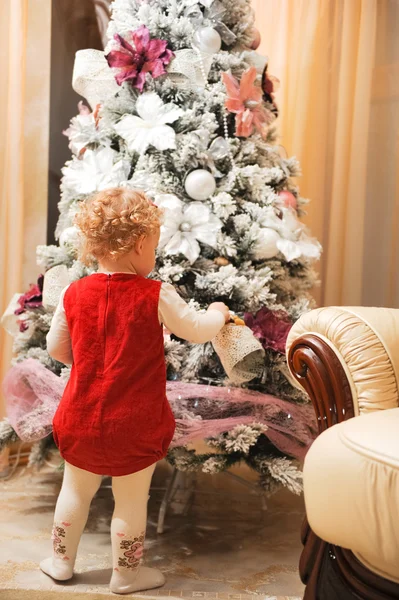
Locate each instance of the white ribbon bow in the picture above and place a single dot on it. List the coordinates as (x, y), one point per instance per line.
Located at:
(92, 78)
(55, 280)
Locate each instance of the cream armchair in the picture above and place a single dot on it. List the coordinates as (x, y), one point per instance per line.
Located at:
(347, 360)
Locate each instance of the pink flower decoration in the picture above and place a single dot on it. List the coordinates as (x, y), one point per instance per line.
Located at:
(22, 325)
(270, 327)
(135, 552)
(32, 298)
(245, 100)
(147, 56)
(55, 538)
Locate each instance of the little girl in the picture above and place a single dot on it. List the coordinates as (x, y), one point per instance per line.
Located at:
(114, 418)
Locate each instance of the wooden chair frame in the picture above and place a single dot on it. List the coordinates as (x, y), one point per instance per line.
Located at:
(330, 572)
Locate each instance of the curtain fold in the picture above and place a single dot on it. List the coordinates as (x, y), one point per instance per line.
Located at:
(343, 272)
(24, 113)
(13, 19)
(324, 53)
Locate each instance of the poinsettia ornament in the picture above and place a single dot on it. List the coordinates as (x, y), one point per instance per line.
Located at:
(32, 298)
(146, 56)
(270, 327)
(245, 100)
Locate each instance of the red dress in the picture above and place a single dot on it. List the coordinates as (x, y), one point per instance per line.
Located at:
(114, 417)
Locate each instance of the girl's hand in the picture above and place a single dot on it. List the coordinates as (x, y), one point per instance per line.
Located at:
(221, 307)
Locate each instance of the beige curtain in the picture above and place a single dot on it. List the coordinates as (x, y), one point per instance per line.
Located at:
(338, 63)
(25, 27)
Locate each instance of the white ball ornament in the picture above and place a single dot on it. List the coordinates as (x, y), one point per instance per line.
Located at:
(70, 235)
(207, 40)
(266, 244)
(200, 184)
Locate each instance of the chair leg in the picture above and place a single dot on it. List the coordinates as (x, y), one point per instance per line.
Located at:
(332, 573)
(311, 561)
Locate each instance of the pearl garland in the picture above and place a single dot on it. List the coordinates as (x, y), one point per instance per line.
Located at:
(201, 65)
(226, 136)
(225, 125)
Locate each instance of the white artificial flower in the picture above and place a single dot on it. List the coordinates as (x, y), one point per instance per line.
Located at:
(293, 241)
(150, 127)
(284, 233)
(186, 225)
(96, 170)
(305, 248)
(84, 129)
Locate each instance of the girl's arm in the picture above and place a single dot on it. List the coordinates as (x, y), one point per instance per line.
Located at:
(58, 339)
(184, 321)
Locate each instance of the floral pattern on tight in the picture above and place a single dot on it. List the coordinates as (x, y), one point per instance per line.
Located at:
(133, 552)
(56, 535)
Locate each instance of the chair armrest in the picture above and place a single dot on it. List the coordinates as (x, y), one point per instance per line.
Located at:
(347, 360)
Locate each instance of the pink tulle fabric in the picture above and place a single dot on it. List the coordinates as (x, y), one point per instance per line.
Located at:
(290, 427)
(33, 392)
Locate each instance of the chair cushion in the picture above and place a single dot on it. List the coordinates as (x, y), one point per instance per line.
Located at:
(365, 342)
(351, 483)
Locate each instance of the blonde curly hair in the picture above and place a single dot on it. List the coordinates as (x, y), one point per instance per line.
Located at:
(111, 222)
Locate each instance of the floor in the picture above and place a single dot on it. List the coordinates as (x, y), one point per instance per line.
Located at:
(221, 545)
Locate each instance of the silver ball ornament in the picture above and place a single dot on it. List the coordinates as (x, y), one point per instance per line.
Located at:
(200, 184)
(207, 40)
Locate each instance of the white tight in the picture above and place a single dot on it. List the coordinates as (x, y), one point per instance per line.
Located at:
(128, 523)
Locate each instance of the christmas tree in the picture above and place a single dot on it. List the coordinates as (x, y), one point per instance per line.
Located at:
(183, 107)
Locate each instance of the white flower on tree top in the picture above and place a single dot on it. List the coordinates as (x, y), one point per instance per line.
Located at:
(87, 128)
(185, 225)
(96, 170)
(150, 127)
